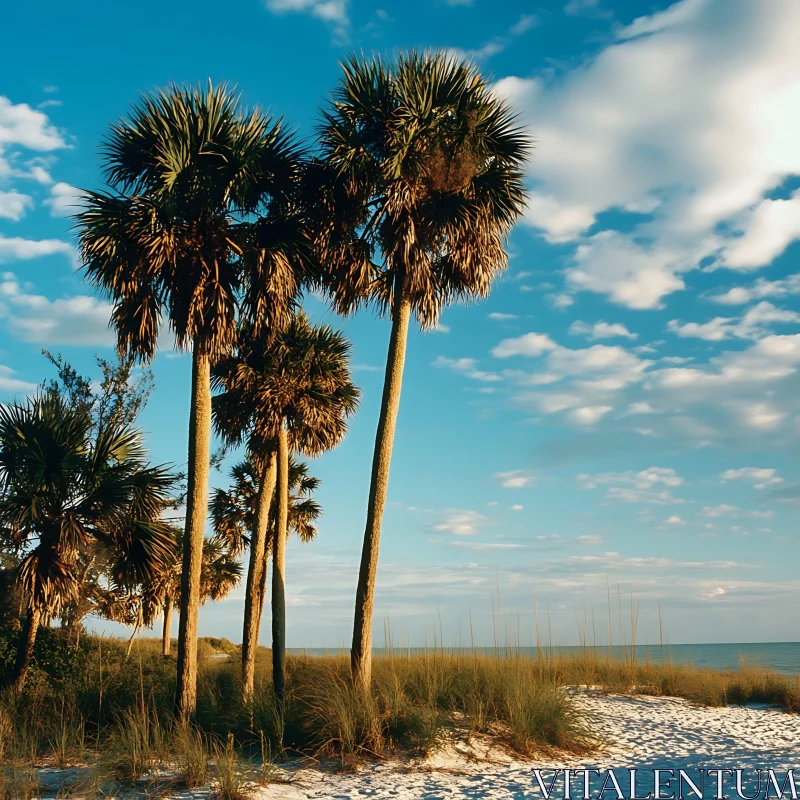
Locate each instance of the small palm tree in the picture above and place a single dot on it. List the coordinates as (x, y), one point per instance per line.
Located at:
(291, 394)
(140, 606)
(66, 488)
(199, 225)
(235, 513)
(421, 166)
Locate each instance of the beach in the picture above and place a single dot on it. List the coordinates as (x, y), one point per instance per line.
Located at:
(638, 732)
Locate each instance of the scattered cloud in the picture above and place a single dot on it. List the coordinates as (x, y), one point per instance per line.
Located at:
(601, 330)
(516, 508)
(734, 512)
(460, 522)
(498, 317)
(26, 127)
(760, 478)
(762, 288)
(497, 44)
(77, 320)
(8, 383)
(334, 13)
(64, 199)
(466, 366)
(530, 344)
(684, 124)
(768, 229)
(754, 324)
(675, 520)
(515, 479)
(15, 248)
(636, 487)
(13, 205)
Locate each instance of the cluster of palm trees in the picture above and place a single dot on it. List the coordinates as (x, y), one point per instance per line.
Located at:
(215, 221)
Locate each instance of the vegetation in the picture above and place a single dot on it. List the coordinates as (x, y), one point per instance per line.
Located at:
(96, 699)
(214, 221)
(422, 167)
(173, 237)
(65, 490)
(290, 393)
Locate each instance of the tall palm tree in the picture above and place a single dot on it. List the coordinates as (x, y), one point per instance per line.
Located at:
(65, 488)
(296, 391)
(198, 224)
(421, 166)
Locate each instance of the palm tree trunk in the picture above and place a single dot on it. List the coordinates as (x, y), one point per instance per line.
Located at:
(133, 635)
(278, 568)
(253, 594)
(196, 512)
(166, 640)
(263, 593)
(27, 639)
(361, 650)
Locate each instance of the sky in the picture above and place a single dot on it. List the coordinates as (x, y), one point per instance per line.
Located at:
(618, 424)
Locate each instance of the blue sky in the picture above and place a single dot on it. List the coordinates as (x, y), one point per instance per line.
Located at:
(623, 409)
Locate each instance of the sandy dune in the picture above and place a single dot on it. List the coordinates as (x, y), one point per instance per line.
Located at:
(640, 732)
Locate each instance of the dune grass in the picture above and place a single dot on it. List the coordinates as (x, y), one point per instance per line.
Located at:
(116, 713)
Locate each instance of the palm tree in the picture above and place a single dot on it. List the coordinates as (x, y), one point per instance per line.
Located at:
(234, 512)
(421, 165)
(66, 488)
(199, 224)
(294, 391)
(140, 606)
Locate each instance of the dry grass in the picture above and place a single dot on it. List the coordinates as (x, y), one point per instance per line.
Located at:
(120, 716)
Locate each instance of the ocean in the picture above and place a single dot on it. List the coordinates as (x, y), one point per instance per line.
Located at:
(778, 656)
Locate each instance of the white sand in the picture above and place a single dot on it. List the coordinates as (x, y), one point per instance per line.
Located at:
(640, 732)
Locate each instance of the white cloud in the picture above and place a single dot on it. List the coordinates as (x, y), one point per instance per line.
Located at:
(596, 376)
(8, 383)
(767, 360)
(15, 248)
(640, 408)
(467, 366)
(589, 8)
(78, 320)
(760, 416)
(768, 230)
(460, 522)
(636, 487)
(675, 520)
(530, 344)
(760, 477)
(601, 330)
(588, 415)
(560, 301)
(498, 317)
(733, 512)
(13, 205)
(515, 479)
(741, 295)
(753, 325)
(334, 13)
(631, 274)
(497, 44)
(516, 508)
(63, 199)
(24, 126)
(689, 119)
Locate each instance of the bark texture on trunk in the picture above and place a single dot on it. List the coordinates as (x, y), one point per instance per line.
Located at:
(166, 634)
(278, 568)
(196, 512)
(27, 639)
(264, 574)
(361, 651)
(255, 572)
